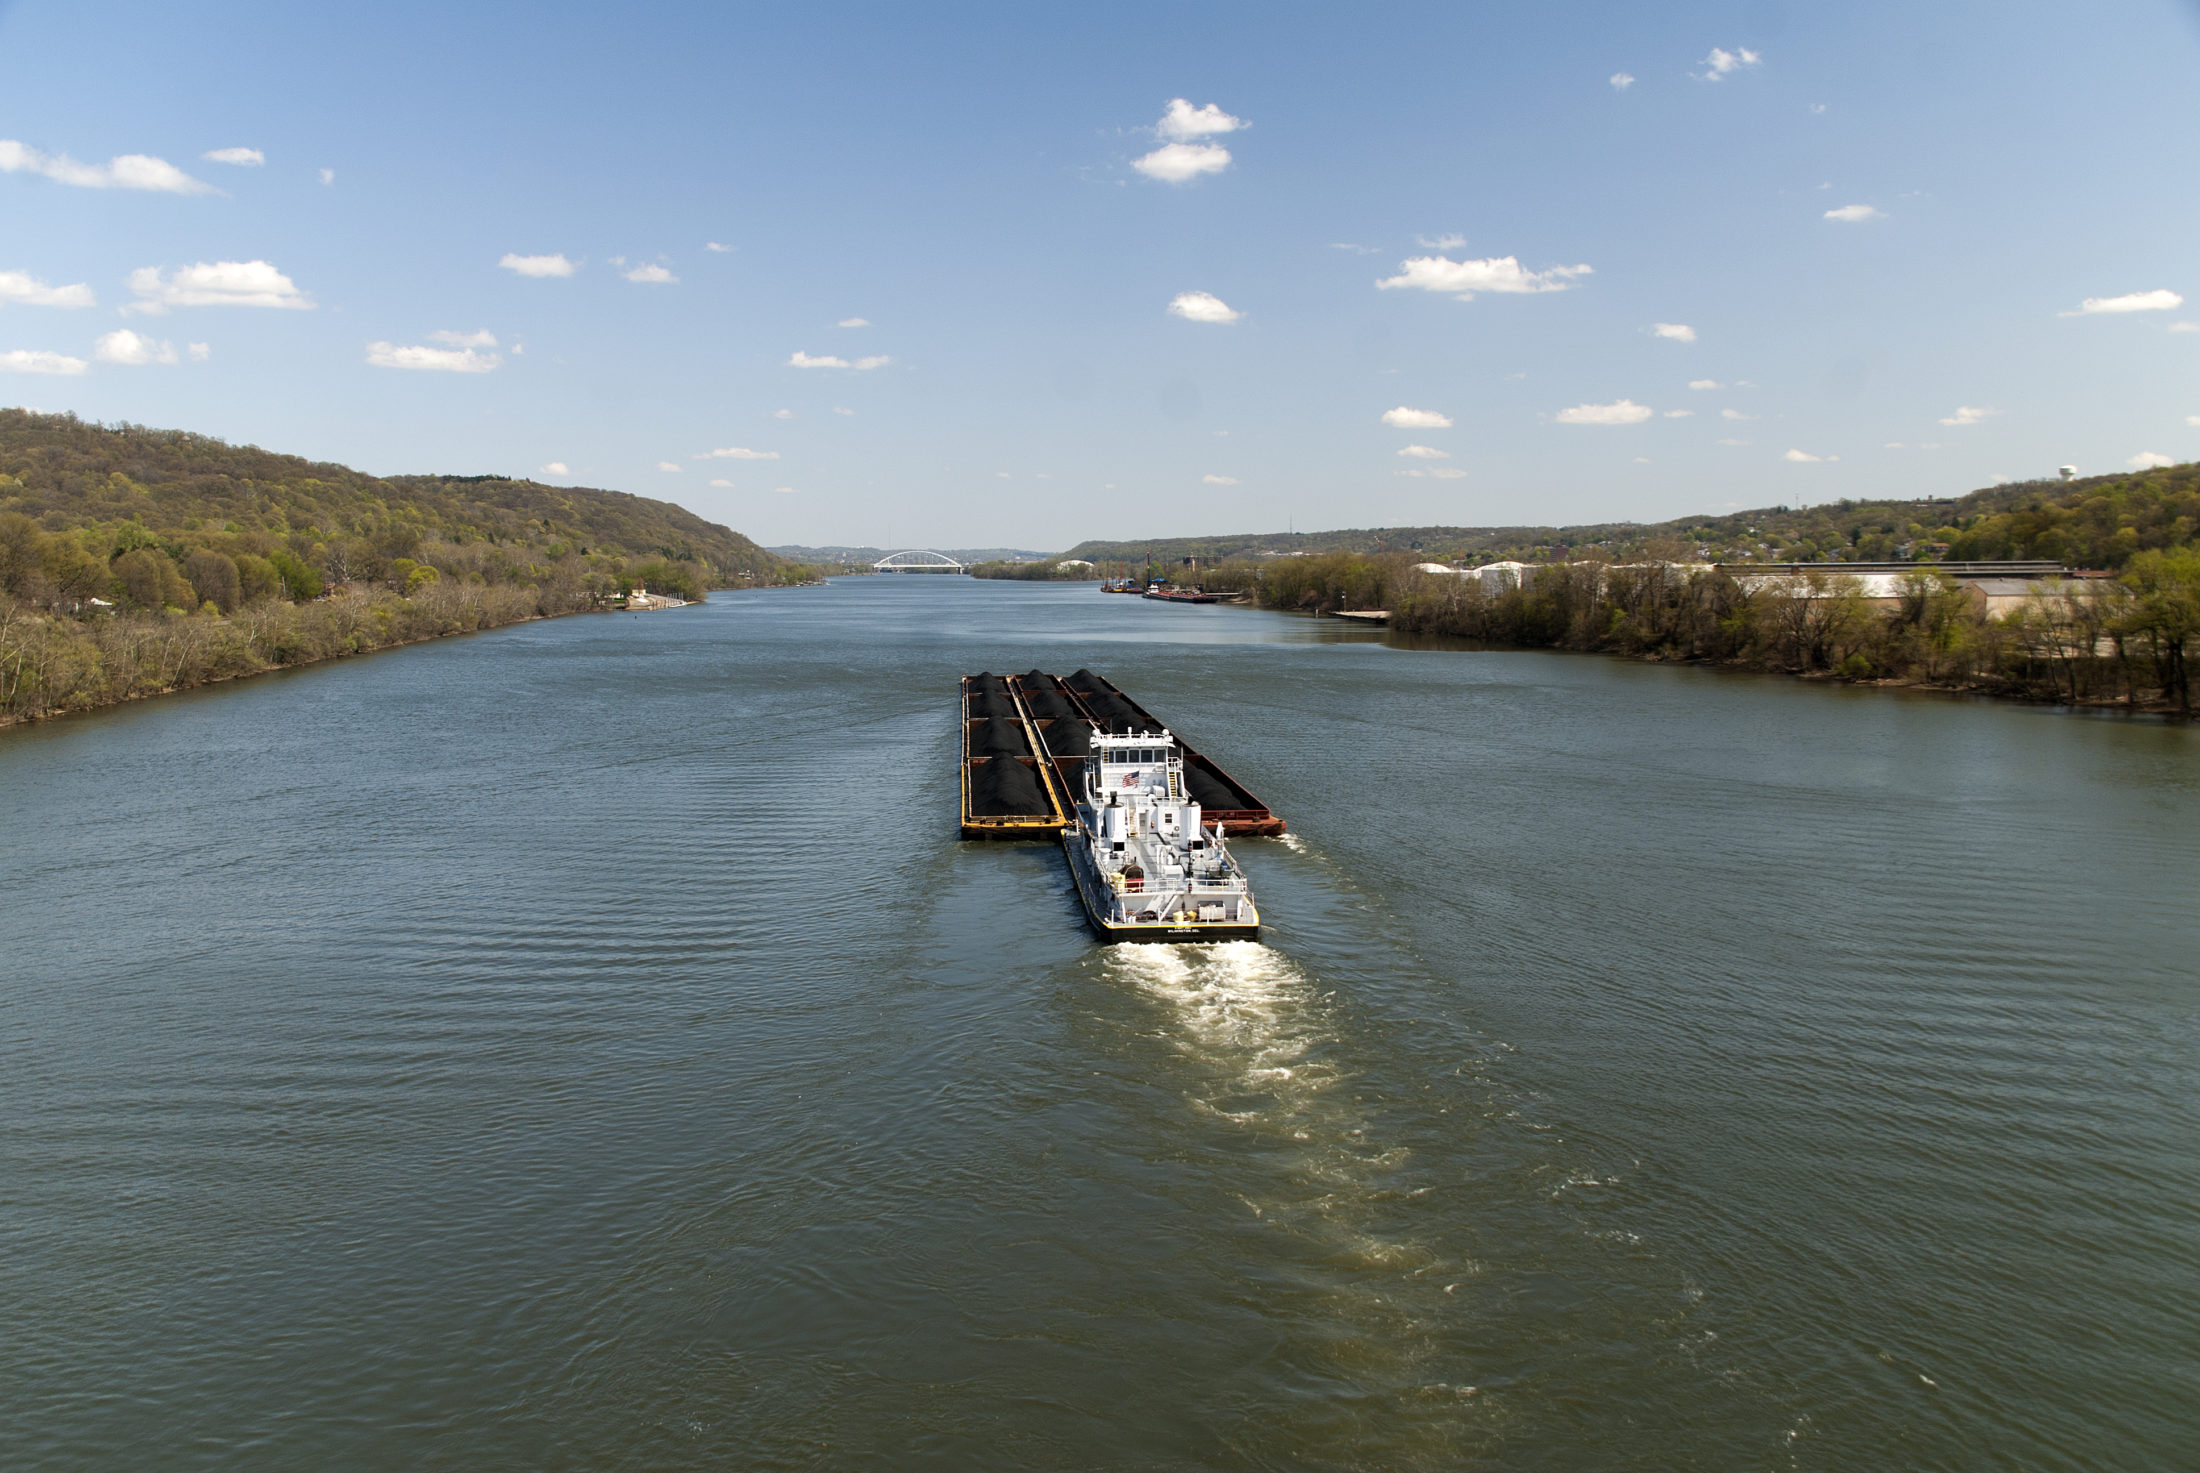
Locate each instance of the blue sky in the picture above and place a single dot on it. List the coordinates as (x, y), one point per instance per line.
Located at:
(1873, 231)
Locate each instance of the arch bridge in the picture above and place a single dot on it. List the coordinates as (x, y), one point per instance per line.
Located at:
(916, 562)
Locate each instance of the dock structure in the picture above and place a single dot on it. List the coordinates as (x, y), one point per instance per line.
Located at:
(1039, 727)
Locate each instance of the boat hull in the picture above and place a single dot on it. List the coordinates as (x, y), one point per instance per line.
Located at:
(1093, 896)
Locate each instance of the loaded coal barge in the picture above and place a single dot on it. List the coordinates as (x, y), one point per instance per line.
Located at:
(1141, 814)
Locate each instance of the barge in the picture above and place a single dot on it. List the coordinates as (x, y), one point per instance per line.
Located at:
(1009, 789)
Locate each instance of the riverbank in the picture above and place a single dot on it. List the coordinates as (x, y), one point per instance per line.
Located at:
(53, 665)
(2121, 642)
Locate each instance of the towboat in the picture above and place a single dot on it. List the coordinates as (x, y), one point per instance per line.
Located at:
(1173, 595)
(1146, 867)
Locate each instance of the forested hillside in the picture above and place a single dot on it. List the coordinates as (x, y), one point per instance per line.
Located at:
(189, 492)
(2096, 522)
(135, 560)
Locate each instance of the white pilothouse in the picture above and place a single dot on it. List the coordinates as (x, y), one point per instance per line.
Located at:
(1146, 867)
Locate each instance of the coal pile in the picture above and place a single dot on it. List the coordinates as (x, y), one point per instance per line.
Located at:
(1040, 680)
(1003, 787)
(1115, 713)
(996, 703)
(985, 684)
(998, 737)
(1209, 791)
(1068, 738)
(1049, 705)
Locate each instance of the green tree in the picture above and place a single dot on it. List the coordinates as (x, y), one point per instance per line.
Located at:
(2166, 615)
(214, 578)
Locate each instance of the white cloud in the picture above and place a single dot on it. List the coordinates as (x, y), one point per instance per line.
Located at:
(1817, 108)
(712, 245)
(1620, 81)
(1680, 414)
(800, 359)
(2147, 460)
(721, 481)
(1893, 445)
(783, 490)
(1003, 476)
(199, 352)
(853, 322)
(248, 158)
(1722, 61)
(1734, 414)
(1970, 414)
(1425, 452)
(1642, 460)
(1433, 472)
(782, 414)
(2154, 301)
(431, 360)
(737, 452)
(2193, 420)
(670, 465)
(481, 339)
(328, 177)
(1679, 332)
(37, 360)
(1178, 163)
(126, 347)
(1625, 412)
(124, 171)
(1182, 120)
(1463, 279)
(2184, 327)
(1853, 213)
(22, 287)
(1357, 250)
(1801, 457)
(1219, 480)
(842, 409)
(215, 284)
(1403, 418)
(651, 275)
(1450, 242)
(553, 468)
(1703, 383)
(556, 265)
(1202, 307)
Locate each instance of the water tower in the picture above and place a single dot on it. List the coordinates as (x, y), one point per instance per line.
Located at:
(2066, 471)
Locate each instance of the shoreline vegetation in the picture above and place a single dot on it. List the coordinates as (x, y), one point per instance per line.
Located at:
(2123, 636)
(137, 562)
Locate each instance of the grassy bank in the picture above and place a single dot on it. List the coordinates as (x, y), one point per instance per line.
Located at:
(51, 665)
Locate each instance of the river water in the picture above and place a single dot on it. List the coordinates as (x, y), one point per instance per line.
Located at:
(587, 1045)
